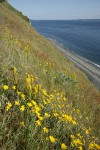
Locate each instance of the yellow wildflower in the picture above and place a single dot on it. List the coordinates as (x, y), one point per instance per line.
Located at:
(40, 117)
(37, 108)
(29, 104)
(77, 142)
(38, 122)
(55, 114)
(9, 105)
(86, 131)
(37, 113)
(5, 87)
(14, 87)
(33, 102)
(78, 134)
(67, 118)
(28, 81)
(73, 122)
(17, 103)
(15, 70)
(45, 130)
(80, 148)
(47, 115)
(94, 146)
(45, 93)
(52, 139)
(64, 99)
(18, 93)
(72, 136)
(22, 108)
(63, 146)
(22, 124)
(23, 96)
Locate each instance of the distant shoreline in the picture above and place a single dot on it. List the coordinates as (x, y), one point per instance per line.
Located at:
(92, 72)
(81, 36)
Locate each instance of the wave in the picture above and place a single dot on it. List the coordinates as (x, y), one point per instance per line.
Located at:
(88, 61)
(84, 59)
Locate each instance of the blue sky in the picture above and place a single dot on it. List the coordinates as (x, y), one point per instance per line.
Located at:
(58, 9)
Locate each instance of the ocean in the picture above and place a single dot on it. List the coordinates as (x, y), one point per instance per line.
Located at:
(81, 37)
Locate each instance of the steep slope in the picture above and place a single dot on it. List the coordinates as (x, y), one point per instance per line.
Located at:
(28, 48)
(27, 57)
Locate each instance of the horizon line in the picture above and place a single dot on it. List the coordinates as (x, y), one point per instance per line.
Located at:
(63, 19)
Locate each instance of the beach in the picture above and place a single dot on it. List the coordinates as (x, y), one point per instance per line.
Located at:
(92, 71)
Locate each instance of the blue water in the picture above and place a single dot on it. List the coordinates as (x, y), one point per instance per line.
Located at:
(79, 36)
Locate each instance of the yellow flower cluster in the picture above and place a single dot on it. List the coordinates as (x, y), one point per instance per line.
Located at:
(52, 139)
(77, 142)
(45, 130)
(94, 146)
(63, 146)
(50, 114)
(68, 118)
(9, 105)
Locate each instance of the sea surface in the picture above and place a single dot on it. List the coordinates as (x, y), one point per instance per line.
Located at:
(81, 37)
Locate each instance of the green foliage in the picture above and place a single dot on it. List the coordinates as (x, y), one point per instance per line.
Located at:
(61, 78)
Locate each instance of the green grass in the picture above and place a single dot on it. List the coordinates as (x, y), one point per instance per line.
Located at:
(46, 76)
(14, 10)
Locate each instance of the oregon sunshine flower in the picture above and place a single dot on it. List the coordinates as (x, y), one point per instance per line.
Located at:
(22, 123)
(5, 87)
(45, 130)
(17, 103)
(38, 122)
(9, 105)
(63, 146)
(52, 139)
(14, 87)
(22, 108)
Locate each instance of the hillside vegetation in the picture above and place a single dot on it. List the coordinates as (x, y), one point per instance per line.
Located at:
(45, 101)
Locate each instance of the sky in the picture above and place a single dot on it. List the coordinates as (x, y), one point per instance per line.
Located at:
(58, 9)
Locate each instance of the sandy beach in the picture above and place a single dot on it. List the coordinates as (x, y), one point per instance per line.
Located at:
(92, 71)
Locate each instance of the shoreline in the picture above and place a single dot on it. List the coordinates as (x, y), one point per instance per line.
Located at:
(92, 71)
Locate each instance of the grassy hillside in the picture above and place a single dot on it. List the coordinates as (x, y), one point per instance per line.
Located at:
(45, 101)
